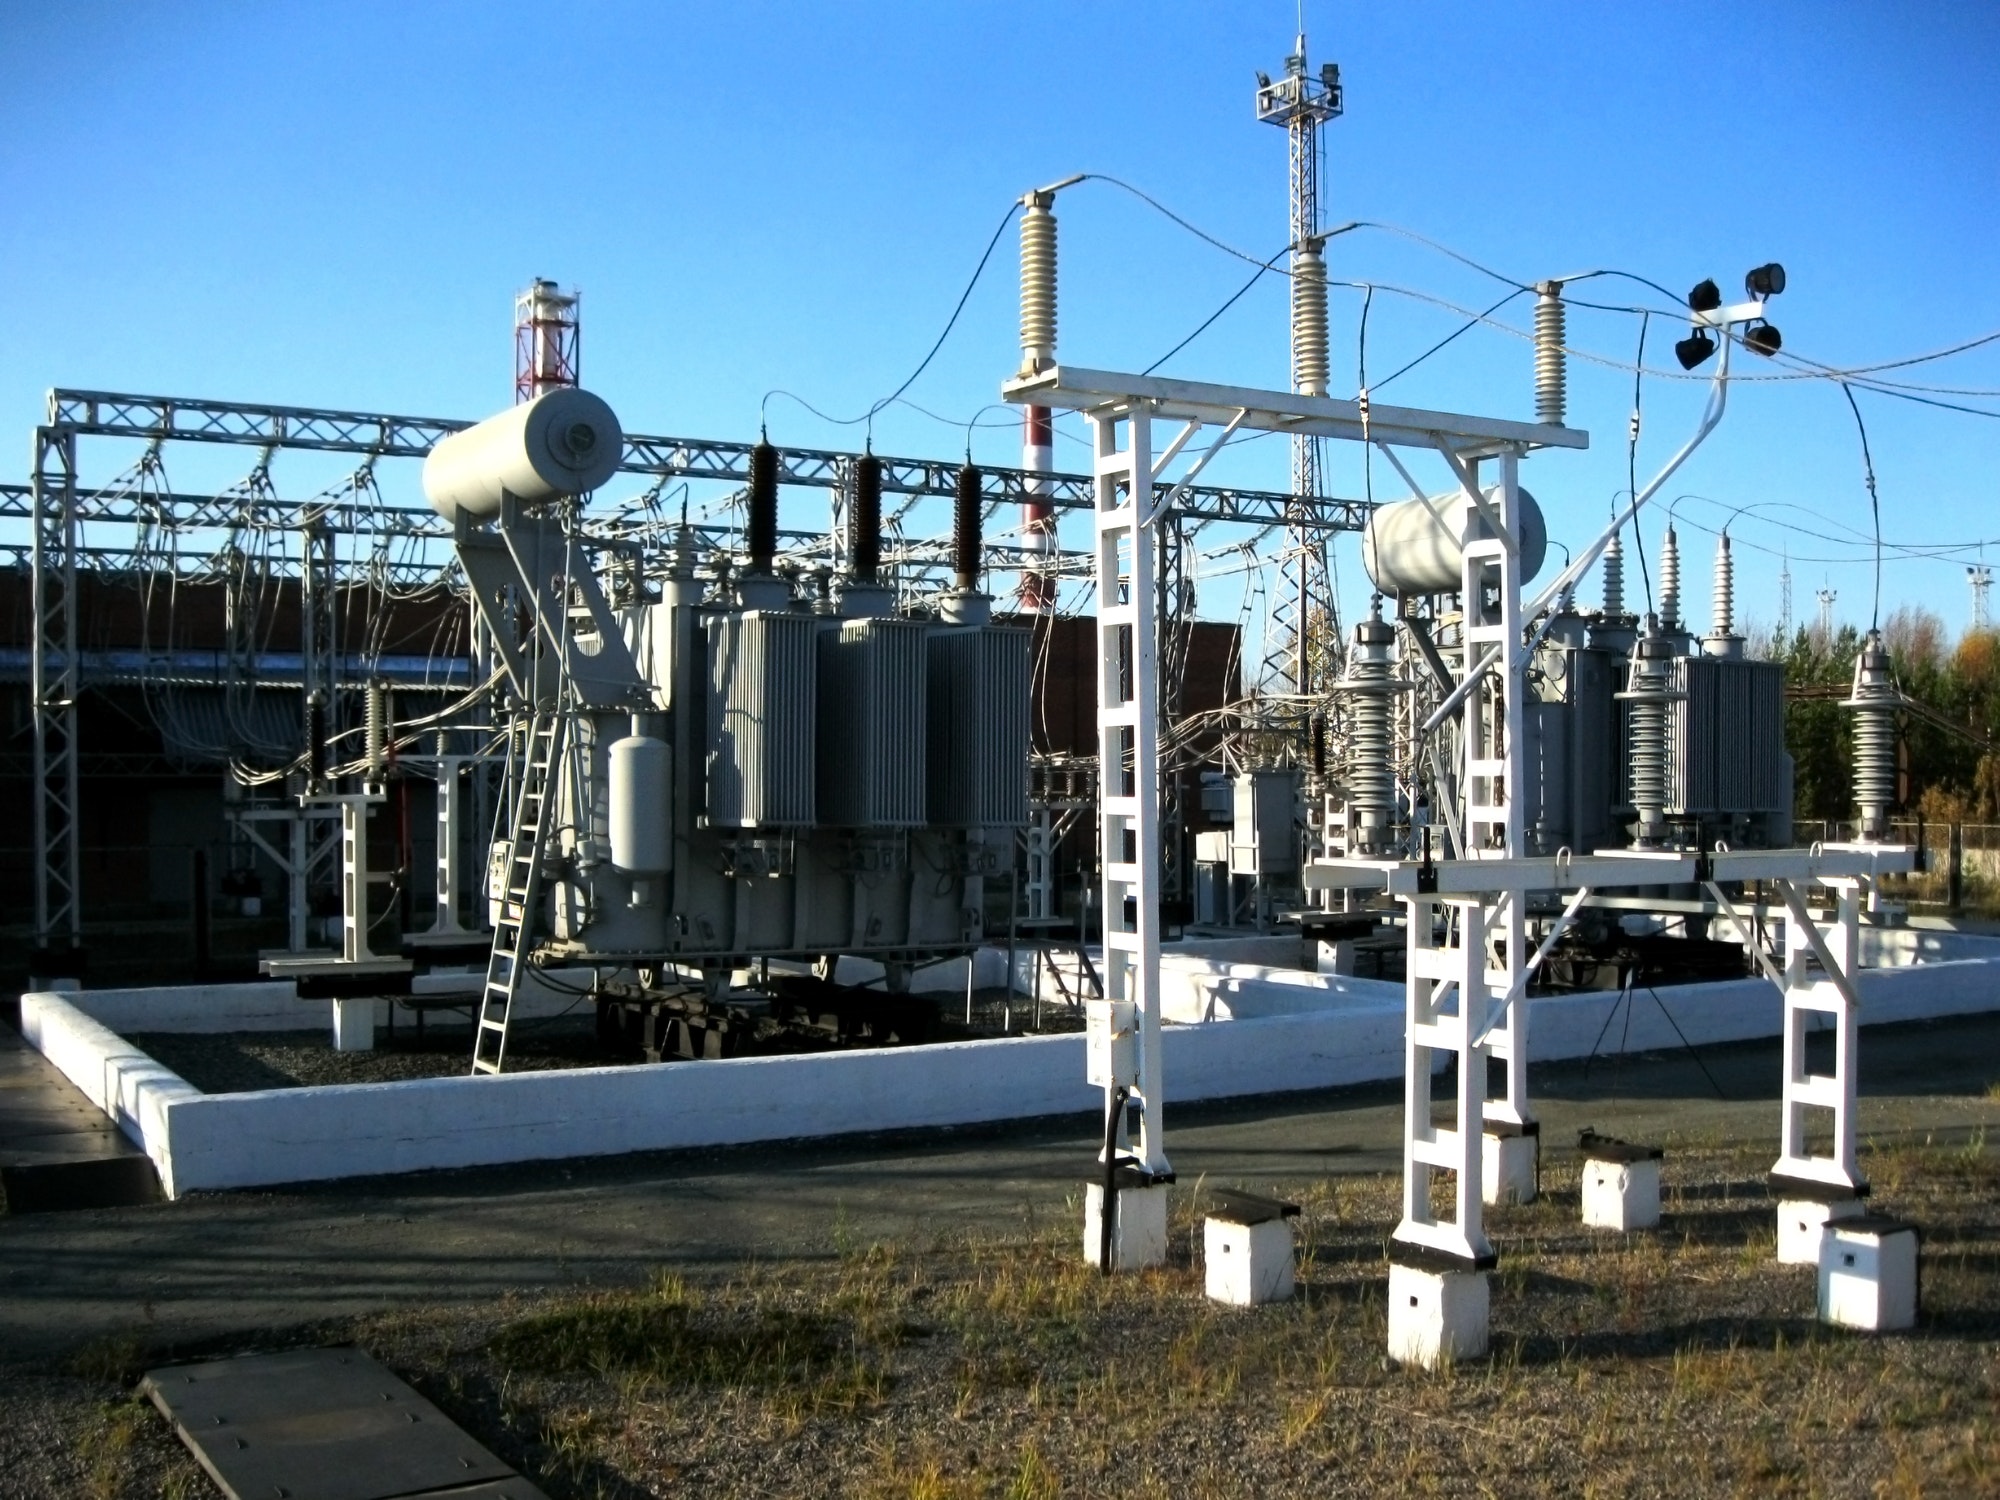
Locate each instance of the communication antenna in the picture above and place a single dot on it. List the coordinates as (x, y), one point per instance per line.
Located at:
(1301, 102)
(1826, 598)
(1785, 602)
(1980, 577)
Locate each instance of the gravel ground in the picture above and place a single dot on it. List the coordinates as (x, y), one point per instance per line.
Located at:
(1681, 1362)
(238, 1062)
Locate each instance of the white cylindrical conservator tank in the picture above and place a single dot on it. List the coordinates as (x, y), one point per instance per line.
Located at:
(636, 784)
(1418, 546)
(562, 443)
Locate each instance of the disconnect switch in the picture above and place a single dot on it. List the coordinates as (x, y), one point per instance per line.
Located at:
(1112, 1037)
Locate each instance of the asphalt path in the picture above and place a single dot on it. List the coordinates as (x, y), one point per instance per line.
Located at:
(223, 1265)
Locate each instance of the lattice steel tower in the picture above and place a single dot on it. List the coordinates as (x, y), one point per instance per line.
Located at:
(1301, 103)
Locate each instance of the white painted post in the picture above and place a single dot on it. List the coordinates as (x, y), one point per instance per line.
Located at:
(1128, 750)
(354, 880)
(1810, 996)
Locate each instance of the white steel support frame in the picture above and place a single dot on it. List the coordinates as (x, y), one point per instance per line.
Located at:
(1128, 757)
(451, 798)
(1492, 721)
(1815, 991)
(302, 855)
(355, 876)
(1450, 984)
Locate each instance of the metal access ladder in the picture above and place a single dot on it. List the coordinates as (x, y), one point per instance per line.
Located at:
(514, 931)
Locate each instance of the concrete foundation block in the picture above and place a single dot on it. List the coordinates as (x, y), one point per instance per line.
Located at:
(1509, 1166)
(1437, 1315)
(1868, 1273)
(354, 1025)
(1246, 1249)
(1621, 1195)
(1803, 1221)
(1138, 1233)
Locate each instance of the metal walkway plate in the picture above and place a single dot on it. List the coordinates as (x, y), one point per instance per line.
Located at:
(57, 1149)
(323, 1424)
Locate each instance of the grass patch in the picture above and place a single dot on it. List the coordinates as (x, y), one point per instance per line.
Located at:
(661, 1334)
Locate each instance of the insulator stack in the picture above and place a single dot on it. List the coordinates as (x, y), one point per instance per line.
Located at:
(1370, 687)
(761, 528)
(1614, 577)
(1874, 701)
(1725, 589)
(1038, 282)
(1670, 582)
(1309, 339)
(1651, 692)
(376, 728)
(1551, 362)
(864, 521)
(966, 544)
(315, 740)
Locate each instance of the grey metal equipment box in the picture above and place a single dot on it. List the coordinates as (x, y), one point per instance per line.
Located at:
(761, 719)
(872, 724)
(978, 712)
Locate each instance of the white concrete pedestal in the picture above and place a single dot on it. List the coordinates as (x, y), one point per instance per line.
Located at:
(1435, 1316)
(354, 1025)
(1246, 1249)
(1138, 1233)
(1868, 1273)
(1509, 1165)
(1803, 1221)
(1621, 1195)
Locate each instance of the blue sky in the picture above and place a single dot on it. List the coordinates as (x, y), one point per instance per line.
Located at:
(334, 204)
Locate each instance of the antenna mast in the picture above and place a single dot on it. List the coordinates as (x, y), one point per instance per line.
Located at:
(1301, 103)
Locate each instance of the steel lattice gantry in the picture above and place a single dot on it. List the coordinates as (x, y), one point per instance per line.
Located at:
(56, 501)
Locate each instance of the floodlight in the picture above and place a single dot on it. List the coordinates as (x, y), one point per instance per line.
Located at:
(1696, 347)
(1765, 281)
(1263, 80)
(1762, 338)
(1706, 297)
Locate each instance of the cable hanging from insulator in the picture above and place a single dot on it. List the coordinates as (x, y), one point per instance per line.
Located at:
(1614, 577)
(1551, 358)
(1874, 701)
(1310, 359)
(1038, 282)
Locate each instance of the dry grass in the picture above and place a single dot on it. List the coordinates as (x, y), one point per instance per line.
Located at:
(1675, 1363)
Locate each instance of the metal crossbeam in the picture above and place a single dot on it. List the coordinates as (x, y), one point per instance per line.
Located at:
(185, 419)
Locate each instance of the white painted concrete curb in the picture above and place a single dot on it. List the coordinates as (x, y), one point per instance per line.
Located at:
(293, 1135)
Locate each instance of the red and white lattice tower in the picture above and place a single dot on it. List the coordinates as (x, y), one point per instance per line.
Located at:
(547, 340)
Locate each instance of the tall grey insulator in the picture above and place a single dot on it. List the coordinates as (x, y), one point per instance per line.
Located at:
(1309, 338)
(1648, 698)
(1874, 701)
(1370, 688)
(1725, 589)
(1670, 582)
(376, 728)
(1038, 282)
(1614, 577)
(1551, 363)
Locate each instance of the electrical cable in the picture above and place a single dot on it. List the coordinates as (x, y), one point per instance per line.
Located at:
(1465, 327)
(950, 323)
(1874, 502)
(1632, 461)
(1208, 322)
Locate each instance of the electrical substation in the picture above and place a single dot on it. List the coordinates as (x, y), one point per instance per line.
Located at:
(541, 713)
